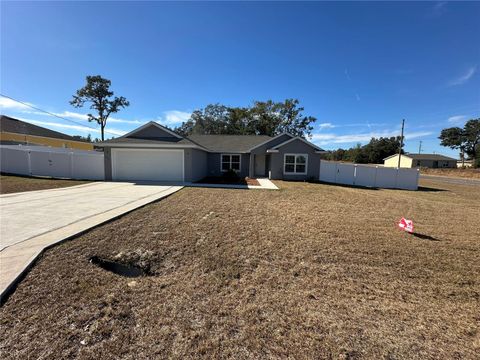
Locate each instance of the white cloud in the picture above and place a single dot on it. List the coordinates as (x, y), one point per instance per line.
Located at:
(326, 126)
(456, 118)
(81, 128)
(9, 104)
(174, 117)
(464, 78)
(75, 115)
(439, 8)
(324, 139)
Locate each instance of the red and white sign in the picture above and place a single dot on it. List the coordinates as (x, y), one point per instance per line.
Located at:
(406, 225)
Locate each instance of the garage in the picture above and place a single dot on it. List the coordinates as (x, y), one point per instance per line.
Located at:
(147, 165)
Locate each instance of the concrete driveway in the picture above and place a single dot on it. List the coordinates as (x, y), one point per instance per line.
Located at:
(32, 221)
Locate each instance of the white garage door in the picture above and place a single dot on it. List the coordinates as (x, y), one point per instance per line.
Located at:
(147, 164)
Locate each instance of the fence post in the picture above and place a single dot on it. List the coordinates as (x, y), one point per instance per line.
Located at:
(29, 163)
(354, 174)
(70, 154)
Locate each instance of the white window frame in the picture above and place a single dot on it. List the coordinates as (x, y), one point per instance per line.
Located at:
(295, 164)
(239, 163)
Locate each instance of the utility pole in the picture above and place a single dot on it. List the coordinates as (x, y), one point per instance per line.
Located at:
(420, 147)
(401, 145)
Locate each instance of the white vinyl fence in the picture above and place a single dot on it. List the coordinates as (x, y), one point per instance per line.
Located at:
(54, 162)
(368, 175)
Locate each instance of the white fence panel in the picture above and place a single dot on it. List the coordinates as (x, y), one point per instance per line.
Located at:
(369, 176)
(60, 165)
(54, 162)
(365, 176)
(386, 178)
(328, 171)
(14, 161)
(408, 179)
(345, 174)
(39, 163)
(87, 166)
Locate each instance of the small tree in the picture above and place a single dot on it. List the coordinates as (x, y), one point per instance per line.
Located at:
(97, 92)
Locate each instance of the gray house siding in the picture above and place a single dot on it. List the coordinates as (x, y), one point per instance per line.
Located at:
(152, 132)
(295, 147)
(434, 163)
(107, 160)
(260, 151)
(195, 164)
(214, 164)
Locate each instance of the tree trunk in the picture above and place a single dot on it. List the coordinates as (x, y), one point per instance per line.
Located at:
(102, 127)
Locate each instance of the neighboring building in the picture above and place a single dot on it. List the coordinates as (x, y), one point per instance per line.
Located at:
(17, 132)
(153, 152)
(466, 163)
(421, 160)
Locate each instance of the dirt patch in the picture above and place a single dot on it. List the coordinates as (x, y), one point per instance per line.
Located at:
(308, 271)
(12, 184)
(118, 268)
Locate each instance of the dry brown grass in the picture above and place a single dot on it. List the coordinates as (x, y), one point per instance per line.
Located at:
(459, 172)
(12, 184)
(309, 271)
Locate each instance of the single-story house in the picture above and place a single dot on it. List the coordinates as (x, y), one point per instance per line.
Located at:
(18, 132)
(154, 153)
(421, 160)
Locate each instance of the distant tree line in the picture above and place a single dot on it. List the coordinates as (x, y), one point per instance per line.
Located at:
(261, 118)
(372, 153)
(87, 138)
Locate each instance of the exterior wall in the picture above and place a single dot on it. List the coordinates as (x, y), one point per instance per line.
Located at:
(435, 163)
(107, 160)
(405, 162)
(262, 150)
(45, 141)
(195, 164)
(295, 147)
(214, 164)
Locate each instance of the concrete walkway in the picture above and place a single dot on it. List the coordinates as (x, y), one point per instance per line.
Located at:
(33, 221)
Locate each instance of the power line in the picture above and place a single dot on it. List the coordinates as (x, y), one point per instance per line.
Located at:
(52, 114)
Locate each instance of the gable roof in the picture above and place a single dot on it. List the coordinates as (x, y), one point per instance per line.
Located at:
(229, 143)
(11, 125)
(137, 137)
(434, 157)
(153, 124)
(297, 138)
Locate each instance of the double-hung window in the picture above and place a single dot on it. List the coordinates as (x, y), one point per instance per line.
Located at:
(295, 164)
(230, 162)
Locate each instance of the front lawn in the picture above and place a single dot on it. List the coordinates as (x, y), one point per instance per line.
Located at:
(12, 184)
(309, 271)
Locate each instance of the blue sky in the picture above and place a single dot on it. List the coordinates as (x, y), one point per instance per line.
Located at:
(359, 68)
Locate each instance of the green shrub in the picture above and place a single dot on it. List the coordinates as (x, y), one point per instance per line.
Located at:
(230, 175)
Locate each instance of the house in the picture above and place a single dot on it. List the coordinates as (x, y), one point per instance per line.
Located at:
(465, 163)
(421, 160)
(155, 153)
(18, 132)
